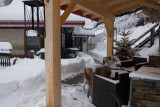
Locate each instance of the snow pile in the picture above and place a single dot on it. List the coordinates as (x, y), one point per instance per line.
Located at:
(149, 73)
(22, 70)
(24, 83)
(42, 50)
(5, 47)
(82, 31)
(126, 22)
(145, 52)
(31, 33)
(101, 43)
(71, 67)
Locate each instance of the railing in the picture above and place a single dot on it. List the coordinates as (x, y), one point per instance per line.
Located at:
(5, 59)
(151, 38)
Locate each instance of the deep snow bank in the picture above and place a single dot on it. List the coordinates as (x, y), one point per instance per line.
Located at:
(23, 84)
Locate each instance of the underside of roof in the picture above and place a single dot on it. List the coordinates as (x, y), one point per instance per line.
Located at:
(99, 9)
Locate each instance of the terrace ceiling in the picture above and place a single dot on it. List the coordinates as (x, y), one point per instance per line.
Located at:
(99, 9)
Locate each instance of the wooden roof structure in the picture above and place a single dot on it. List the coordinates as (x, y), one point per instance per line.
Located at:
(98, 10)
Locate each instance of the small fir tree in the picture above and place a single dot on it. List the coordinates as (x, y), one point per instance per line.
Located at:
(123, 48)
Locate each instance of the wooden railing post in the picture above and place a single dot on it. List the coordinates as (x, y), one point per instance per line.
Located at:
(152, 37)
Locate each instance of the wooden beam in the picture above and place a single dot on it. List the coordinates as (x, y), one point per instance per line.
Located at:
(63, 2)
(67, 12)
(92, 8)
(110, 3)
(109, 24)
(76, 8)
(53, 54)
(93, 16)
(123, 6)
(144, 3)
(127, 10)
(85, 13)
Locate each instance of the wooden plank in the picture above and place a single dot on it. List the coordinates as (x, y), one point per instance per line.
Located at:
(85, 13)
(123, 6)
(63, 2)
(67, 12)
(109, 24)
(53, 54)
(111, 2)
(127, 10)
(148, 4)
(76, 8)
(92, 8)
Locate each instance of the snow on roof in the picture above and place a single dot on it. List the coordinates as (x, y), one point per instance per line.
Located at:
(83, 32)
(5, 45)
(31, 33)
(146, 73)
(15, 11)
(42, 50)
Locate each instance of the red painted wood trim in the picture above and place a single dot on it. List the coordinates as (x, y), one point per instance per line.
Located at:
(22, 23)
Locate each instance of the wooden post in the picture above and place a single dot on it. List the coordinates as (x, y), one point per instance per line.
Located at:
(109, 24)
(53, 54)
(87, 44)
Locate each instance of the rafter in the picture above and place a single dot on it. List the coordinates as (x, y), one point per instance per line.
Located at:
(110, 3)
(148, 4)
(76, 8)
(92, 8)
(85, 13)
(67, 12)
(123, 6)
(63, 2)
(127, 10)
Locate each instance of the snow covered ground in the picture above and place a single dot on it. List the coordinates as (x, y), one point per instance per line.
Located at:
(24, 83)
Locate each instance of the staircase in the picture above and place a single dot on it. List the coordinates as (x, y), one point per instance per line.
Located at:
(149, 41)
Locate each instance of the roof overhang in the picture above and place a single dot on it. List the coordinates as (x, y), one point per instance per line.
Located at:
(107, 9)
(33, 3)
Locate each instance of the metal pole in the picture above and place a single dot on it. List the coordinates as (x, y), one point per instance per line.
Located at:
(151, 39)
(159, 37)
(25, 36)
(32, 18)
(38, 21)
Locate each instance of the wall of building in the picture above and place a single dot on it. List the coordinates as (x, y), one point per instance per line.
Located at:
(145, 94)
(15, 37)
